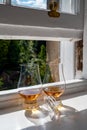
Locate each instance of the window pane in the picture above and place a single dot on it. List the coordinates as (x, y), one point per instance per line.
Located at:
(65, 4)
(40, 52)
(69, 6)
(2, 1)
(38, 4)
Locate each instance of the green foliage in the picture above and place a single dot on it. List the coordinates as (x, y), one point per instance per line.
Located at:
(16, 52)
(13, 53)
(26, 51)
(37, 46)
(1, 83)
(42, 53)
(4, 44)
(42, 60)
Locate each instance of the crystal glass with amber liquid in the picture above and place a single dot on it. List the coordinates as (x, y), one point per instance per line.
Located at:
(55, 92)
(54, 86)
(53, 75)
(30, 97)
(29, 81)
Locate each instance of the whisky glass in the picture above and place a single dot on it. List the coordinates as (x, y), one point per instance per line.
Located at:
(28, 85)
(53, 75)
(54, 84)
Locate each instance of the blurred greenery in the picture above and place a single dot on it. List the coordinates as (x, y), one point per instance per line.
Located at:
(1, 83)
(16, 52)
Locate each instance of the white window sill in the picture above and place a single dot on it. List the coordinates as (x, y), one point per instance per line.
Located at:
(10, 97)
(15, 119)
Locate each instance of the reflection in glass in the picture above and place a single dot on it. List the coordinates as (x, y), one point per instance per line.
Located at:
(36, 4)
(73, 6)
(29, 75)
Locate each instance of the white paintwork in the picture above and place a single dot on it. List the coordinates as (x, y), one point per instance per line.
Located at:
(38, 33)
(67, 58)
(37, 24)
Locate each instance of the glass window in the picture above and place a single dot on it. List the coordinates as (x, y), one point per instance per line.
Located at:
(29, 51)
(65, 6)
(38, 4)
(2, 1)
(70, 6)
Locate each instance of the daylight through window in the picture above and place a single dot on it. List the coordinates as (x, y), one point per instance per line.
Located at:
(14, 53)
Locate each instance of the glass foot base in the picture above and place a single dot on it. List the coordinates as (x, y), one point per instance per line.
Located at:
(36, 113)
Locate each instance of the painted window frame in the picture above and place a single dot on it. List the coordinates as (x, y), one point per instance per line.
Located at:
(9, 98)
(70, 58)
(73, 10)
